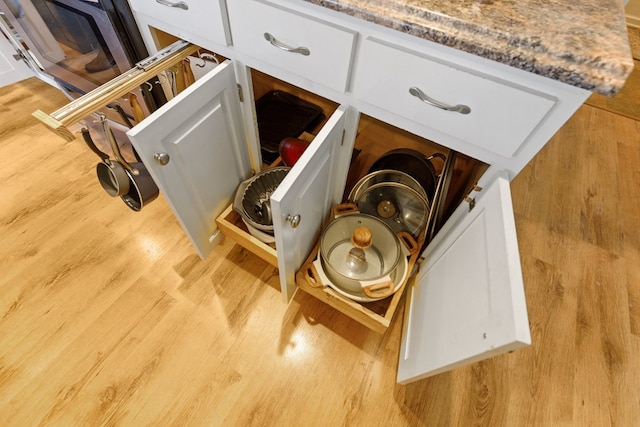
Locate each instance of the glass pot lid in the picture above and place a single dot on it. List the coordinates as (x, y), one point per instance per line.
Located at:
(359, 247)
(384, 176)
(399, 206)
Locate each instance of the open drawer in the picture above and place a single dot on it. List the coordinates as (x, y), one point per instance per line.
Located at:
(376, 315)
(231, 225)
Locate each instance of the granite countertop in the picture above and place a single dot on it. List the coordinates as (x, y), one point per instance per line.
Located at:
(583, 43)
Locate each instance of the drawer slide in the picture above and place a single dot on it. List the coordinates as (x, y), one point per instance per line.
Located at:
(59, 120)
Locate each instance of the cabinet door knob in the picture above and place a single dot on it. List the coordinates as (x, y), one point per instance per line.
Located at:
(462, 109)
(180, 5)
(275, 42)
(294, 220)
(161, 158)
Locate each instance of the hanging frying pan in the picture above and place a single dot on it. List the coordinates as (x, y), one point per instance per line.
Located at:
(112, 176)
(142, 189)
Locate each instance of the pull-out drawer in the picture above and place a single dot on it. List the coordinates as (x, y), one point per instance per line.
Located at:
(303, 45)
(185, 18)
(495, 115)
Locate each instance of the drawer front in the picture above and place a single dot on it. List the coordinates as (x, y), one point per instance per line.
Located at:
(303, 45)
(204, 18)
(500, 115)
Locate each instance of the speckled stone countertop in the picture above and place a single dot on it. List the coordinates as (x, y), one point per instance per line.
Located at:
(583, 43)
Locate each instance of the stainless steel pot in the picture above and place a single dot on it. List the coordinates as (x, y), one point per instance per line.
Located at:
(360, 253)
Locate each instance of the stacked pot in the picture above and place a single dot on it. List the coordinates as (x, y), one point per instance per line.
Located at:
(363, 251)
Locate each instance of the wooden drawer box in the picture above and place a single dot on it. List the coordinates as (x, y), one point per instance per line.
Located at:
(375, 315)
(232, 226)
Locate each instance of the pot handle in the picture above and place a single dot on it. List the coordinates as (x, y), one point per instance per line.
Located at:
(86, 135)
(311, 275)
(438, 155)
(408, 241)
(345, 208)
(114, 146)
(379, 290)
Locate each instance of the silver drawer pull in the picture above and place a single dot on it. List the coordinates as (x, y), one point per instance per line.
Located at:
(180, 5)
(462, 109)
(301, 50)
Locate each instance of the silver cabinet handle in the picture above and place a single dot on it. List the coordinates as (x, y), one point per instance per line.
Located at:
(161, 158)
(301, 50)
(180, 5)
(462, 109)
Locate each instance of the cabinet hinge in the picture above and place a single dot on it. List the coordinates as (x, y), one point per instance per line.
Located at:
(472, 200)
(240, 93)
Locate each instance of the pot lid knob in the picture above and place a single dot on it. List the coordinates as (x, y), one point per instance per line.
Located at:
(361, 238)
(386, 209)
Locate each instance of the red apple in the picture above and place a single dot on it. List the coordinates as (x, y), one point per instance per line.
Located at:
(291, 149)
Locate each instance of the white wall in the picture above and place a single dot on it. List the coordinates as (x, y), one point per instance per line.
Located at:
(633, 13)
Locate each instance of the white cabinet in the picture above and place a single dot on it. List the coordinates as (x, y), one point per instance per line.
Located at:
(201, 131)
(467, 301)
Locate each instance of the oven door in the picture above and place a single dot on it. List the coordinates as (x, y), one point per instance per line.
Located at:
(72, 40)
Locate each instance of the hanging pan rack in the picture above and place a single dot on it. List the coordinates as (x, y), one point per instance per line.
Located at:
(59, 120)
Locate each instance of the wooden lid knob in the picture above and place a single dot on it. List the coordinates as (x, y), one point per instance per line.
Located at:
(361, 238)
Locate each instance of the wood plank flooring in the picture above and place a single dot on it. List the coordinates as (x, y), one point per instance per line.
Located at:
(107, 317)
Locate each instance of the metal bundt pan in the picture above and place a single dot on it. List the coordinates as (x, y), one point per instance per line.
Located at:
(252, 199)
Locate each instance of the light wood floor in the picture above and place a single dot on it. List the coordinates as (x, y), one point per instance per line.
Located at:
(107, 317)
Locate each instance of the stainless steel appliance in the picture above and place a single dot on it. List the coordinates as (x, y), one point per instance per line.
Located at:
(80, 44)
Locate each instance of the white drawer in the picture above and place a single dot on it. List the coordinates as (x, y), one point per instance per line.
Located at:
(203, 18)
(321, 51)
(502, 115)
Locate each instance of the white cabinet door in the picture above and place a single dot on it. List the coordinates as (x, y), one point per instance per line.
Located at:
(303, 200)
(202, 132)
(11, 70)
(468, 302)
